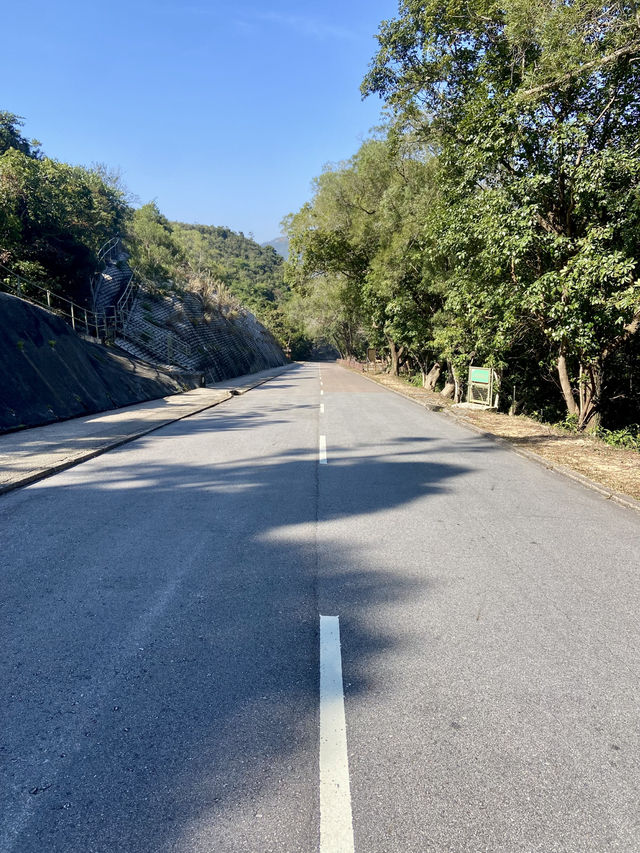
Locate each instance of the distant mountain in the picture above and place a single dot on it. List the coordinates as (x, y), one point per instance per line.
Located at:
(280, 244)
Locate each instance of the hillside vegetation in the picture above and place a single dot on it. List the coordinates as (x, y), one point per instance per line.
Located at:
(54, 218)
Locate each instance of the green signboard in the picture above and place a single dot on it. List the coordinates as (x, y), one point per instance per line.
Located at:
(481, 374)
(481, 385)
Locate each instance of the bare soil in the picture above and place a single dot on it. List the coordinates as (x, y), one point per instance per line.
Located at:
(614, 468)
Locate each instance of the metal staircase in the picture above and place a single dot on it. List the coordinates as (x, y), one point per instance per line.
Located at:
(82, 320)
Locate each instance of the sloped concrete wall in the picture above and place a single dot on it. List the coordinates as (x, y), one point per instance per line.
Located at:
(48, 373)
(220, 343)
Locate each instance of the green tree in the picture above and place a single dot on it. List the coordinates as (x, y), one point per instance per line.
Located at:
(53, 219)
(11, 137)
(535, 109)
(333, 242)
(155, 252)
(365, 240)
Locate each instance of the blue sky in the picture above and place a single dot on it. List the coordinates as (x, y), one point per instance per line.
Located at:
(221, 112)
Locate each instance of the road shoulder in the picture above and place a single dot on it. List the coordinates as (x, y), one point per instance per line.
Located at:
(32, 454)
(612, 472)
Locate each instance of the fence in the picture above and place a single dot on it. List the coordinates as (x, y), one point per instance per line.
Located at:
(363, 366)
(101, 325)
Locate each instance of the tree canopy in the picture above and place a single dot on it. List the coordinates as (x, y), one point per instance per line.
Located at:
(500, 224)
(53, 217)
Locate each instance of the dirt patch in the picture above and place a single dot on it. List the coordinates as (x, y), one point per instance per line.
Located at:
(611, 467)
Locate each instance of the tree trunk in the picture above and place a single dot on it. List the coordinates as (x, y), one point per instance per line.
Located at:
(423, 365)
(457, 390)
(430, 379)
(396, 354)
(565, 384)
(449, 389)
(589, 417)
(393, 352)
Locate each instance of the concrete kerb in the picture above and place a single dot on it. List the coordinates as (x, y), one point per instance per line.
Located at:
(242, 389)
(110, 445)
(617, 497)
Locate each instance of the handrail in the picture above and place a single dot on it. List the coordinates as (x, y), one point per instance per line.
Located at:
(108, 246)
(95, 325)
(121, 304)
(103, 257)
(103, 325)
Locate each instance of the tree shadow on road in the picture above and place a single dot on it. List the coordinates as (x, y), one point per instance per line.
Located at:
(168, 691)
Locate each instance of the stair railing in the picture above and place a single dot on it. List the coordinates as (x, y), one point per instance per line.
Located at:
(81, 319)
(125, 303)
(103, 325)
(107, 248)
(104, 256)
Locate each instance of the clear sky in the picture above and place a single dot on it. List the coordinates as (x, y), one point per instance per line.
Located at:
(221, 112)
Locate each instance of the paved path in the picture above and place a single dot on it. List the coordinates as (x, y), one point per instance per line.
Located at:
(161, 640)
(31, 454)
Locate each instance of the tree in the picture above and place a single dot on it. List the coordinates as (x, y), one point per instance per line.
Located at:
(53, 219)
(11, 137)
(535, 109)
(155, 253)
(335, 243)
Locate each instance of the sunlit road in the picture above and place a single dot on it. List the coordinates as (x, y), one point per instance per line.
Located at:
(160, 638)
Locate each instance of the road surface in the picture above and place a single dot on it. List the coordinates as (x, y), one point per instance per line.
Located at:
(162, 655)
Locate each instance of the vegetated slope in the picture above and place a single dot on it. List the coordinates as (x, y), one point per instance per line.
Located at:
(216, 259)
(51, 373)
(58, 224)
(54, 217)
(252, 273)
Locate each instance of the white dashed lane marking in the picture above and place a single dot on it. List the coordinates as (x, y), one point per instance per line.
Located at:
(322, 450)
(336, 824)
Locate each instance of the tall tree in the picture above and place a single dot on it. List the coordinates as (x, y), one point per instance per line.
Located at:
(535, 107)
(11, 135)
(53, 219)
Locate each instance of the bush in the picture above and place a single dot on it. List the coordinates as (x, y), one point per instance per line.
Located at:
(627, 437)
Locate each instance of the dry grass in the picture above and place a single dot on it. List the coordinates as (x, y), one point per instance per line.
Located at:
(614, 468)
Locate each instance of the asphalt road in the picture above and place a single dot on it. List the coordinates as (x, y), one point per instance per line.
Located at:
(160, 617)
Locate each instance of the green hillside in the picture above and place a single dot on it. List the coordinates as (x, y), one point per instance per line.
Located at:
(55, 217)
(252, 273)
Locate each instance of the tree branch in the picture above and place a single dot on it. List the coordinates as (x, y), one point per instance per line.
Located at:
(588, 66)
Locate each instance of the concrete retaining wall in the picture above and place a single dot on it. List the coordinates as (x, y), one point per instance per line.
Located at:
(48, 373)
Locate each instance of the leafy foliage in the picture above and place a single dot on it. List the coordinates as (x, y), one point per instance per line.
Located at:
(498, 222)
(53, 217)
(535, 110)
(155, 252)
(253, 273)
(219, 259)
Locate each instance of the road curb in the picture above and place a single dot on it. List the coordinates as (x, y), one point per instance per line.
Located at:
(616, 497)
(111, 445)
